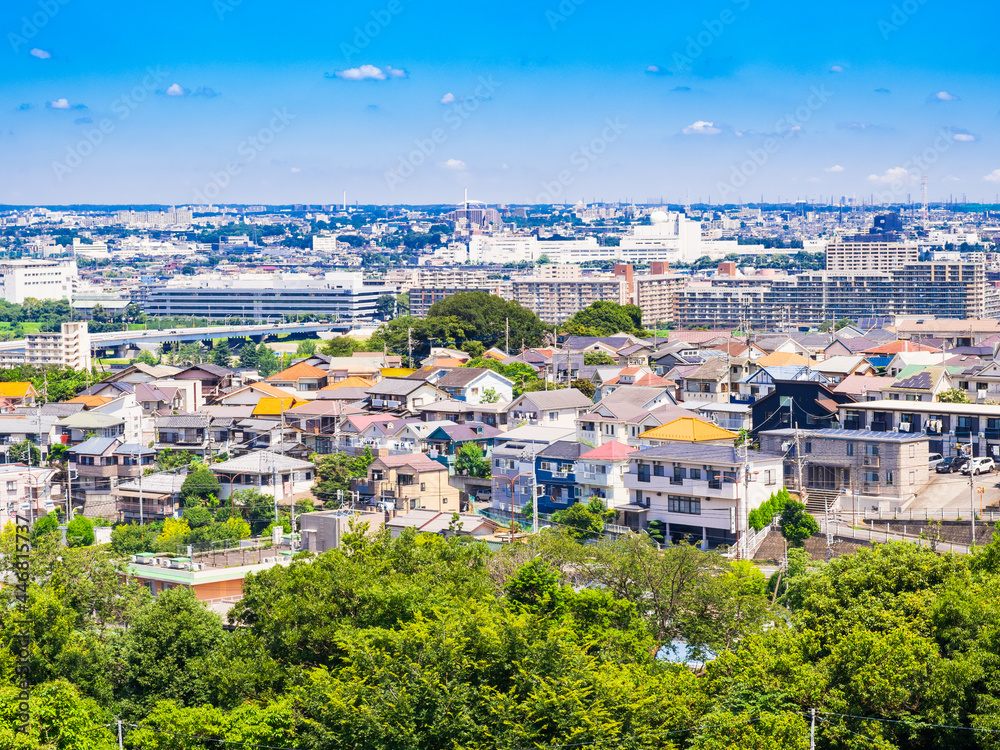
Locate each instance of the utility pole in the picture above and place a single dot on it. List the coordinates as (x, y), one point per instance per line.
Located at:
(812, 730)
(120, 745)
(972, 501)
(409, 344)
(507, 336)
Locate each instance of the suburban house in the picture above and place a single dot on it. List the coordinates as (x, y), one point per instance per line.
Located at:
(27, 491)
(461, 412)
(401, 395)
(918, 383)
(555, 475)
(407, 482)
(184, 432)
(623, 422)
(76, 428)
(798, 403)
(212, 380)
(279, 476)
(875, 470)
(548, 408)
(442, 523)
(444, 442)
(301, 378)
(475, 385)
(687, 429)
(698, 490)
(18, 394)
(600, 472)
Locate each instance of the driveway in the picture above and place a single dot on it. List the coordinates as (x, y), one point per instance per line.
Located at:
(951, 492)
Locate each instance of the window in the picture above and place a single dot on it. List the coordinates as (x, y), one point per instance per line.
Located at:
(658, 470)
(913, 451)
(11, 486)
(690, 505)
(871, 477)
(769, 477)
(888, 477)
(553, 416)
(871, 450)
(850, 449)
(696, 474)
(643, 471)
(913, 477)
(809, 446)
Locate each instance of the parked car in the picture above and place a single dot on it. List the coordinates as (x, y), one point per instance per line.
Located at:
(933, 460)
(951, 464)
(979, 465)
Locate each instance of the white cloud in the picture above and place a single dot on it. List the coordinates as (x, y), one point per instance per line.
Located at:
(814, 179)
(951, 178)
(40, 54)
(370, 73)
(894, 176)
(295, 170)
(834, 168)
(837, 69)
(993, 176)
(448, 98)
(176, 90)
(944, 96)
(454, 164)
(964, 137)
(59, 104)
(701, 127)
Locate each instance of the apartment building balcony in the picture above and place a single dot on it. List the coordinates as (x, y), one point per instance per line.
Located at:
(595, 478)
(84, 470)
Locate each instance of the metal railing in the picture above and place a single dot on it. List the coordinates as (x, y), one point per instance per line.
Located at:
(927, 514)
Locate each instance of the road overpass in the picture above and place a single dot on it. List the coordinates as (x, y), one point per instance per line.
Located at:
(151, 338)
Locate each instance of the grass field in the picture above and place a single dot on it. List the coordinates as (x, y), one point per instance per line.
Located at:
(28, 327)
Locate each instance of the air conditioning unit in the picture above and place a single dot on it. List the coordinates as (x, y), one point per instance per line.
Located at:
(196, 566)
(871, 461)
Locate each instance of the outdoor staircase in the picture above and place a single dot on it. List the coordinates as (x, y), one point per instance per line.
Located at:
(817, 501)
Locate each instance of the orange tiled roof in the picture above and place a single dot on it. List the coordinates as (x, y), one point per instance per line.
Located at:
(354, 381)
(299, 371)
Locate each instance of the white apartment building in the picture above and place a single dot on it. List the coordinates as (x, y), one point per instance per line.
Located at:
(38, 279)
(699, 491)
(70, 347)
(870, 256)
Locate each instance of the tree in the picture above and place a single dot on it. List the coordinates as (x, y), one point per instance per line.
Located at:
(471, 460)
(797, 524)
(604, 318)
(954, 396)
(163, 650)
(25, 451)
(267, 362)
(130, 539)
(597, 359)
(220, 354)
(47, 524)
(306, 348)
(248, 356)
(200, 487)
(80, 532)
(146, 357)
(490, 396)
(335, 471)
(585, 521)
(484, 317)
(385, 306)
(342, 346)
(586, 387)
(168, 459)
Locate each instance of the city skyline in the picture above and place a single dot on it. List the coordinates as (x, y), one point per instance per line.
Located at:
(225, 102)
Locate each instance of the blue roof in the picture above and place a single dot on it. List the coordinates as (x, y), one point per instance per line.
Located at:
(882, 437)
(95, 446)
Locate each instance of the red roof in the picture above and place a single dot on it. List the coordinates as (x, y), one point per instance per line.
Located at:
(299, 371)
(900, 346)
(611, 451)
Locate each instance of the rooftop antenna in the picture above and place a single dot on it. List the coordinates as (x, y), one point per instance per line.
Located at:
(924, 216)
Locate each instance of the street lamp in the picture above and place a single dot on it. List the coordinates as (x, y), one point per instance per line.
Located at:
(534, 500)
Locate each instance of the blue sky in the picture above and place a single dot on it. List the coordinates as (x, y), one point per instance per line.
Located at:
(402, 101)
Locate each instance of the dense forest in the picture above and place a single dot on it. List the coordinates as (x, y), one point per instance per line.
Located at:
(424, 642)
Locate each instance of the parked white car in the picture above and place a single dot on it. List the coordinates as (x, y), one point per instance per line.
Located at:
(979, 465)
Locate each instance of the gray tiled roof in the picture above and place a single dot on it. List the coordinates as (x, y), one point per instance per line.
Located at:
(566, 398)
(564, 449)
(183, 420)
(705, 453)
(395, 387)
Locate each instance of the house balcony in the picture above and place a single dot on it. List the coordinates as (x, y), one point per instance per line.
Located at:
(84, 470)
(742, 398)
(594, 478)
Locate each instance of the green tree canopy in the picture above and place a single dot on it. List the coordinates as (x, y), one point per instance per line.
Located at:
(80, 532)
(797, 524)
(200, 486)
(604, 318)
(471, 460)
